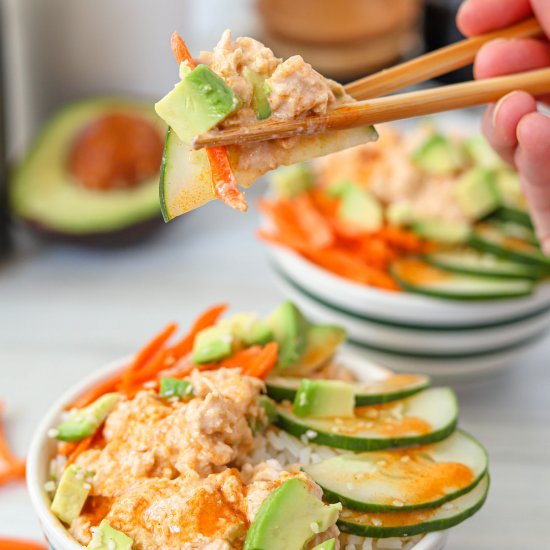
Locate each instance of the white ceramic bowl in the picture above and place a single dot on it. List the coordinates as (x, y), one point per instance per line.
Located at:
(42, 449)
(407, 332)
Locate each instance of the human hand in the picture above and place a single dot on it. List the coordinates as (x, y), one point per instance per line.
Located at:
(513, 126)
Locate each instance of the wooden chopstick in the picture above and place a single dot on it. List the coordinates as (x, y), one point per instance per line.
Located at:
(436, 63)
(385, 109)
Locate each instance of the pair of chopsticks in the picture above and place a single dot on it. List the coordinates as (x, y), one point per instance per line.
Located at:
(373, 109)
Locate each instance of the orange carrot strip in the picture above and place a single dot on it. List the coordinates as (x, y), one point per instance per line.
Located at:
(205, 320)
(180, 51)
(64, 448)
(81, 446)
(401, 238)
(224, 182)
(89, 396)
(311, 221)
(147, 353)
(265, 362)
(20, 544)
(241, 358)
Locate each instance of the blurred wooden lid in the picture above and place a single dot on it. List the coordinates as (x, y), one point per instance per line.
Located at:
(336, 21)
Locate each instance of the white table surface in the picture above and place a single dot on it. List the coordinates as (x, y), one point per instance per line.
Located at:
(66, 311)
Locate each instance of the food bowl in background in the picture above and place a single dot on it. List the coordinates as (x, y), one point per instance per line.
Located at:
(446, 339)
(342, 39)
(43, 449)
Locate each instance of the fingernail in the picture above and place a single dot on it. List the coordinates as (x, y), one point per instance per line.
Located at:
(499, 104)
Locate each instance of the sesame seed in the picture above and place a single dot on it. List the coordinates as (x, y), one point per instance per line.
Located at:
(310, 434)
(314, 527)
(397, 503)
(376, 522)
(49, 486)
(87, 486)
(174, 529)
(405, 458)
(53, 433)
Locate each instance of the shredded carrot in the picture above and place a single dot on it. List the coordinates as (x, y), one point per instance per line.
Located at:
(224, 182)
(89, 396)
(241, 358)
(309, 225)
(12, 467)
(80, 447)
(205, 320)
(147, 354)
(264, 362)
(20, 544)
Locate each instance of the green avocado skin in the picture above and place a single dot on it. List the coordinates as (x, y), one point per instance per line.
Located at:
(44, 196)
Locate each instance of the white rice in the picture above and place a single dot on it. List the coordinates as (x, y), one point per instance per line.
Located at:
(280, 450)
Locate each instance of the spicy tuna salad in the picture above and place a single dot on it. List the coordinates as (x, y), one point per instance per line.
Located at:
(238, 83)
(252, 434)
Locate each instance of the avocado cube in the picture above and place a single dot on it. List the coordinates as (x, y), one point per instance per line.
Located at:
(329, 544)
(438, 155)
(477, 194)
(290, 181)
(106, 537)
(84, 422)
(324, 399)
(285, 518)
(290, 330)
(248, 330)
(358, 206)
(212, 344)
(442, 231)
(173, 387)
(260, 94)
(71, 494)
(199, 102)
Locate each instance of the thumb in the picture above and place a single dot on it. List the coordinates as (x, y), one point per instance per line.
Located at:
(542, 12)
(533, 162)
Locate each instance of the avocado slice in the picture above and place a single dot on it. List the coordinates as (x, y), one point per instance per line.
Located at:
(248, 330)
(46, 195)
(324, 399)
(290, 329)
(285, 518)
(290, 181)
(260, 94)
(84, 422)
(400, 213)
(329, 544)
(477, 194)
(173, 387)
(321, 344)
(438, 155)
(258, 425)
(199, 102)
(106, 537)
(482, 154)
(212, 344)
(71, 494)
(358, 206)
(446, 232)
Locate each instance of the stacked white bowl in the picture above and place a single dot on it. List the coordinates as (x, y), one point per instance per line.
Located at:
(453, 339)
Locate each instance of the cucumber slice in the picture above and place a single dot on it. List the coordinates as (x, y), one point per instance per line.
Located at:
(515, 230)
(422, 477)
(422, 278)
(471, 262)
(488, 238)
(396, 386)
(516, 215)
(426, 417)
(406, 524)
(186, 179)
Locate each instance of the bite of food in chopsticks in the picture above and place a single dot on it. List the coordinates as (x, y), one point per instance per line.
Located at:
(253, 433)
(240, 82)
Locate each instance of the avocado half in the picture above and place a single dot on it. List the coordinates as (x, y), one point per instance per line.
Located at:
(47, 196)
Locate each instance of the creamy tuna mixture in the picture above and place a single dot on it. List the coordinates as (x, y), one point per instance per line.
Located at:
(179, 475)
(390, 174)
(297, 89)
